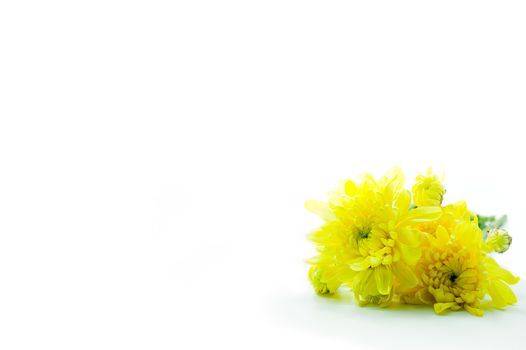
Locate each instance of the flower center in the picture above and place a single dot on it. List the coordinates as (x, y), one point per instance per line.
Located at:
(363, 233)
(453, 277)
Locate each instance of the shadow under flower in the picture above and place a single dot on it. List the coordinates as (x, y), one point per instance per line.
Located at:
(340, 317)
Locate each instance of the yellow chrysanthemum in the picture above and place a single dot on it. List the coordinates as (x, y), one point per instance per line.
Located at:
(455, 272)
(428, 190)
(373, 238)
(368, 241)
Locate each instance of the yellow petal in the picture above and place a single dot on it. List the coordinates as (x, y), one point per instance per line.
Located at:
(364, 282)
(473, 310)
(442, 235)
(501, 294)
(392, 183)
(321, 209)
(409, 236)
(333, 285)
(410, 255)
(441, 307)
(404, 275)
(350, 188)
(369, 286)
(384, 279)
(422, 214)
(468, 234)
(314, 260)
(403, 201)
(425, 297)
(319, 235)
(495, 271)
(360, 264)
(357, 281)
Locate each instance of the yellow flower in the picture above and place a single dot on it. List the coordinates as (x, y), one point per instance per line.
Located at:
(428, 190)
(374, 241)
(368, 239)
(451, 270)
(455, 273)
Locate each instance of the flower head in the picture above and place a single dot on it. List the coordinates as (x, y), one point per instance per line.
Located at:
(452, 269)
(428, 190)
(369, 235)
(455, 273)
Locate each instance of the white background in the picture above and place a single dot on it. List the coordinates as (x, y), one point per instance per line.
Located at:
(155, 157)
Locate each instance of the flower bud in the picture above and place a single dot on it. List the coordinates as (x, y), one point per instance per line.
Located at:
(321, 287)
(498, 240)
(428, 190)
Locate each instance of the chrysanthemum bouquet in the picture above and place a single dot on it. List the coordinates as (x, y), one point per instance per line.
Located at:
(390, 247)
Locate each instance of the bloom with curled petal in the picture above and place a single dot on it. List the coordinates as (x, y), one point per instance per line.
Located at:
(450, 271)
(456, 273)
(369, 236)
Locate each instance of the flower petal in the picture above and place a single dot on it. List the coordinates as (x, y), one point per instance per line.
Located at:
(473, 310)
(361, 280)
(501, 294)
(442, 235)
(404, 275)
(468, 234)
(403, 201)
(350, 188)
(422, 214)
(392, 183)
(321, 209)
(441, 307)
(360, 264)
(424, 296)
(409, 236)
(497, 272)
(384, 279)
(410, 255)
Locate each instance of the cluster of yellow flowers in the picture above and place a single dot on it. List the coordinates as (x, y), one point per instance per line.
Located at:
(388, 248)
